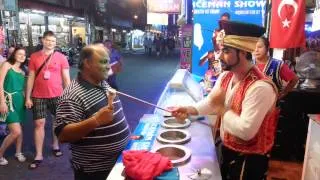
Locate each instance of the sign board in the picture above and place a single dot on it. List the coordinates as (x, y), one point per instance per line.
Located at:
(206, 14)
(186, 45)
(157, 18)
(164, 6)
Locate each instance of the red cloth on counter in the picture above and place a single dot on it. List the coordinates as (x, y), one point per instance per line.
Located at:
(145, 165)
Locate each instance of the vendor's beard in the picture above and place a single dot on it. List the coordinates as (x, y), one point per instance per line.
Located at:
(228, 67)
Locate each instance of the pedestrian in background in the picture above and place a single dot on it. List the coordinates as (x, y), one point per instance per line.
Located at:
(145, 44)
(115, 63)
(171, 45)
(39, 45)
(12, 84)
(164, 46)
(91, 118)
(48, 74)
(149, 45)
(157, 44)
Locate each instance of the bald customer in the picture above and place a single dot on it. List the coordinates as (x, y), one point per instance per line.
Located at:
(91, 119)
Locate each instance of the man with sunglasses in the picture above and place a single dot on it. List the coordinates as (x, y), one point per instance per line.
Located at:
(244, 101)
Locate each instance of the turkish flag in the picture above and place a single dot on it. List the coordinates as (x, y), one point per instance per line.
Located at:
(287, 24)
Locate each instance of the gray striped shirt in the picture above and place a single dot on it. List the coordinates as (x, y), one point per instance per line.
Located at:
(98, 151)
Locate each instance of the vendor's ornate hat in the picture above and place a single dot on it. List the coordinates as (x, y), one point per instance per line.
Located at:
(239, 35)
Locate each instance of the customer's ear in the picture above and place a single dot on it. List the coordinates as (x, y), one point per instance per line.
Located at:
(86, 64)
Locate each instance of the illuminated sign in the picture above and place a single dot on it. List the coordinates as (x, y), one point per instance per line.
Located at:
(185, 49)
(157, 18)
(227, 4)
(206, 14)
(164, 6)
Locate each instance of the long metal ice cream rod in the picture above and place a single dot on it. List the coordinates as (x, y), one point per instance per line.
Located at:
(143, 101)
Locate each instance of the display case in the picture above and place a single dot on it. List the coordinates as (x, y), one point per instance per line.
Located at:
(182, 89)
(37, 31)
(34, 21)
(24, 34)
(56, 23)
(60, 27)
(63, 38)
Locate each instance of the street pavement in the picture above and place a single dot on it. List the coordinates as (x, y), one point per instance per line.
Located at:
(143, 76)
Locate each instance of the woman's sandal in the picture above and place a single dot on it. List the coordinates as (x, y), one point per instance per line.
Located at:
(57, 152)
(35, 164)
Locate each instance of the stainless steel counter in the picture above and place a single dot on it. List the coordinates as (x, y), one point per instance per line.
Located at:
(181, 90)
(202, 149)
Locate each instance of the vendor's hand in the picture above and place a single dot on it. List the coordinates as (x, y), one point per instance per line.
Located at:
(103, 116)
(218, 100)
(28, 103)
(3, 108)
(180, 113)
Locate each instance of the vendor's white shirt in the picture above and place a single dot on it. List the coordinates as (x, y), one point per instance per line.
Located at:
(258, 100)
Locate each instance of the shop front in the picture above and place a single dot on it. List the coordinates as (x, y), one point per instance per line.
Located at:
(137, 38)
(68, 29)
(69, 25)
(8, 25)
(98, 33)
(117, 30)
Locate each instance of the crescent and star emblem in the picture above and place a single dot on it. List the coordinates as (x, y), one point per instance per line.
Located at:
(292, 3)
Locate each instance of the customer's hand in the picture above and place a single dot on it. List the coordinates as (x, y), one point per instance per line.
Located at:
(104, 116)
(28, 103)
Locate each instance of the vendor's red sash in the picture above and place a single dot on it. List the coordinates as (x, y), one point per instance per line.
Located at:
(264, 139)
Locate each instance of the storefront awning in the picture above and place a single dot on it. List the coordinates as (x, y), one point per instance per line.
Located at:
(51, 8)
(121, 22)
